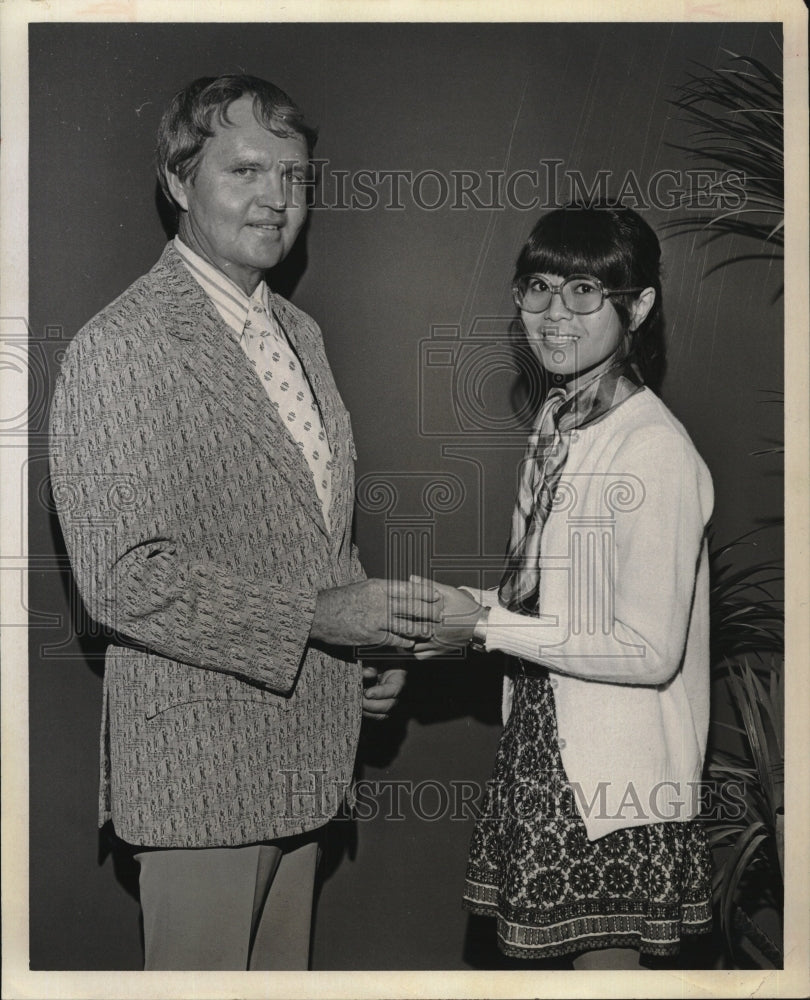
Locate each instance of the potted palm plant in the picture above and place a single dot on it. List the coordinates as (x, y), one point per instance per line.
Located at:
(746, 754)
(735, 114)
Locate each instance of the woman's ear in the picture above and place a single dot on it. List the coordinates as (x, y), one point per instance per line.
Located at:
(640, 309)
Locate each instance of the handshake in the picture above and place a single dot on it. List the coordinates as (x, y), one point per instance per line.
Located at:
(423, 617)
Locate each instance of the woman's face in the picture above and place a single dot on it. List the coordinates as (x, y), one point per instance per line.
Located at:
(567, 343)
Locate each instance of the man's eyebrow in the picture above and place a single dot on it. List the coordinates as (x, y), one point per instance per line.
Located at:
(259, 163)
(244, 161)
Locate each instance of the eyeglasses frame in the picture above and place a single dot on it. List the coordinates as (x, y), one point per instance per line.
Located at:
(557, 290)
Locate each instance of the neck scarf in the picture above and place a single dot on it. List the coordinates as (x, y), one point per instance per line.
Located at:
(542, 467)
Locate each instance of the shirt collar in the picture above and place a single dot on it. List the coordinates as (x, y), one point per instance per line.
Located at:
(231, 302)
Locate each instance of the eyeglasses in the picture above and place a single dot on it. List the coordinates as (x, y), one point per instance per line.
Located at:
(580, 293)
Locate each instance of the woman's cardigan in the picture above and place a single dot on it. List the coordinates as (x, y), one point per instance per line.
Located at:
(623, 621)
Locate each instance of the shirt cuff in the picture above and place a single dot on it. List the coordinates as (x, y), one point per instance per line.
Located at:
(488, 598)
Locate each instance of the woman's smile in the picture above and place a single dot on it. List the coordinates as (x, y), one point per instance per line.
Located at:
(553, 336)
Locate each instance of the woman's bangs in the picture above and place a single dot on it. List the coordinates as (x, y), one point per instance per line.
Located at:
(566, 260)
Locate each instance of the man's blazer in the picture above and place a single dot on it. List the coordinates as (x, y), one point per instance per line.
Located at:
(195, 533)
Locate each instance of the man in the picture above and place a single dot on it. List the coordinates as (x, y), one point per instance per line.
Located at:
(202, 464)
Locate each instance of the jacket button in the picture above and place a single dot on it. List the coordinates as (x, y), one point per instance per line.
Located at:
(561, 744)
(553, 681)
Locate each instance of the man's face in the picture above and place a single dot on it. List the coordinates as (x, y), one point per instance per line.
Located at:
(247, 201)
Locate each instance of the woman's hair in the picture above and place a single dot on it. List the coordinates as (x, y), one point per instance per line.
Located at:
(615, 245)
(187, 122)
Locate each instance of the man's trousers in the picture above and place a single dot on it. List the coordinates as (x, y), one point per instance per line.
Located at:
(229, 908)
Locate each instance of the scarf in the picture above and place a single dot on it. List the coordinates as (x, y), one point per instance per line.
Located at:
(542, 467)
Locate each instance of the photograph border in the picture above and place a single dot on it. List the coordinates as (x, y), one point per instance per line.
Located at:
(18, 980)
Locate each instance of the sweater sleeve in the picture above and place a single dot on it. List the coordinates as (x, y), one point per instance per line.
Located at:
(130, 567)
(619, 611)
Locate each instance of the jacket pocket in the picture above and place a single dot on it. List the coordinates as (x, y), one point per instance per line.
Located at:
(151, 685)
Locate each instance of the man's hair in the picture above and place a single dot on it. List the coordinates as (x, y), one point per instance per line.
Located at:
(187, 121)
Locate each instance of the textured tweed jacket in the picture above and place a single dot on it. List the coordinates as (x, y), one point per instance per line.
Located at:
(195, 532)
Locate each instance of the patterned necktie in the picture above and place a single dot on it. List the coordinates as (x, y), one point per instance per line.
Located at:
(288, 388)
(543, 465)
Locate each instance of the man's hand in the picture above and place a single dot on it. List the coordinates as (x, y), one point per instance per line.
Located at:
(376, 613)
(382, 692)
(460, 612)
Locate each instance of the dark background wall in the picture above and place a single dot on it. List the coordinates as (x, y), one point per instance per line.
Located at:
(443, 98)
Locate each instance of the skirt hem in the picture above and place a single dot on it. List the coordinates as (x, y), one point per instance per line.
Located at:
(526, 941)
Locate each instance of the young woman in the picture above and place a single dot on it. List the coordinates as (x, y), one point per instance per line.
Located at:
(588, 844)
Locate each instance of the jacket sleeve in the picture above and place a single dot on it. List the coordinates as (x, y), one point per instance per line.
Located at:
(358, 574)
(621, 615)
(130, 567)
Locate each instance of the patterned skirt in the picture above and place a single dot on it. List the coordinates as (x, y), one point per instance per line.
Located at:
(553, 891)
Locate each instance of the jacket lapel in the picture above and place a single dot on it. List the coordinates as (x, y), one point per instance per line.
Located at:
(209, 351)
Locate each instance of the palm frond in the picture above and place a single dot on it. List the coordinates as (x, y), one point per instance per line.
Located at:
(743, 687)
(735, 114)
(745, 848)
(752, 842)
(746, 618)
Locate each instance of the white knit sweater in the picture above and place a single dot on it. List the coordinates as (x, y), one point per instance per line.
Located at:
(624, 617)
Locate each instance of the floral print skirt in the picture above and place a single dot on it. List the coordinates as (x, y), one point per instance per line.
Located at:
(554, 892)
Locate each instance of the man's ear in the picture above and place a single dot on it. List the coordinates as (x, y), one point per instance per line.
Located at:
(641, 308)
(177, 189)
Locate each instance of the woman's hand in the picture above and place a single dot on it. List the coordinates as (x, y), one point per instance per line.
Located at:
(460, 612)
